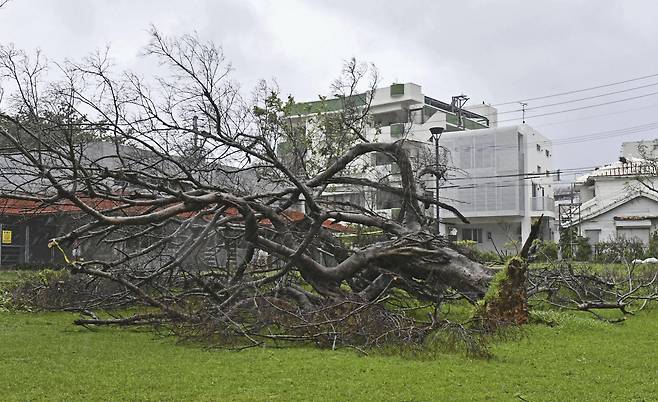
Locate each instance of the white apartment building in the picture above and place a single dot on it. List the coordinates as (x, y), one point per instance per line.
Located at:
(503, 178)
(499, 178)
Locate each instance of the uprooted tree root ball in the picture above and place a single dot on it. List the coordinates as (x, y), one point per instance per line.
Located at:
(506, 300)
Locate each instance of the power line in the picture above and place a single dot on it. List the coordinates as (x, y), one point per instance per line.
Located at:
(553, 123)
(584, 107)
(529, 175)
(515, 183)
(577, 100)
(506, 184)
(596, 136)
(594, 116)
(608, 134)
(577, 90)
(497, 185)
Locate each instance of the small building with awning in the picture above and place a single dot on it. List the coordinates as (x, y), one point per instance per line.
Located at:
(27, 226)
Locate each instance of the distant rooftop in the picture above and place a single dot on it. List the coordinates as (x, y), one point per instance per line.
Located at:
(471, 120)
(629, 166)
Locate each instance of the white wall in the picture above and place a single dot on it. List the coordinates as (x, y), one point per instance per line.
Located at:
(480, 154)
(485, 110)
(382, 96)
(539, 159)
(640, 206)
(476, 155)
(612, 187)
(502, 231)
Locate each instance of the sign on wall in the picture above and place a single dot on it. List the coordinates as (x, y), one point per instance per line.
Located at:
(6, 237)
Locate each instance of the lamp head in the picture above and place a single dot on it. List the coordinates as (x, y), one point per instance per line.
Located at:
(436, 130)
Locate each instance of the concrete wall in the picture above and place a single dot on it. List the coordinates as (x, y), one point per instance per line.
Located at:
(499, 233)
(612, 187)
(485, 110)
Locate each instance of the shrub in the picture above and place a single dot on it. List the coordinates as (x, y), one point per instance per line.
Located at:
(652, 250)
(619, 250)
(512, 247)
(584, 250)
(50, 289)
(483, 255)
(574, 246)
(546, 250)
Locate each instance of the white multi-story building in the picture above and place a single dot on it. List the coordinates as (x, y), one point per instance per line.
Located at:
(499, 177)
(503, 178)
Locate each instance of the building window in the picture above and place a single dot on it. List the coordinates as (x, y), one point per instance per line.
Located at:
(388, 118)
(592, 236)
(397, 130)
(381, 158)
(345, 198)
(428, 112)
(397, 89)
(472, 234)
(416, 116)
(386, 200)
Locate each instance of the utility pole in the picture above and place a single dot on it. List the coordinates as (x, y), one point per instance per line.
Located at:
(436, 135)
(457, 104)
(571, 219)
(523, 105)
(195, 129)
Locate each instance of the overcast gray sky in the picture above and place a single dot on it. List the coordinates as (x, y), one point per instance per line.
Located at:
(495, 51)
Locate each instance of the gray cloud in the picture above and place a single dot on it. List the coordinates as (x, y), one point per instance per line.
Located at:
(491, 50)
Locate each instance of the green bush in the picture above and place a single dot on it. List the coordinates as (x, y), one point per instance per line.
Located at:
(574, 246)
(584, 251)
(619, 250)
(34, 289)
(484, 255)
(546, 250)
(50, 289)
(652, 250)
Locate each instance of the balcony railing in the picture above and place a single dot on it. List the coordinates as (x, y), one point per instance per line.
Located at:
(629, 169)
(543, 204)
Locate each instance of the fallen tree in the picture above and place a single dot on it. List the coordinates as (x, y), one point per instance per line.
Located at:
(190, 173)
(188, 200)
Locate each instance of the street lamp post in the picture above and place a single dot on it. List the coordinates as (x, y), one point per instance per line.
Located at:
(436, 134)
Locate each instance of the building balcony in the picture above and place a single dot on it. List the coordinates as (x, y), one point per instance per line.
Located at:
(542, 204)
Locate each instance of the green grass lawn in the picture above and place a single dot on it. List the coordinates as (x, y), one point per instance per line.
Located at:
(44, 357)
